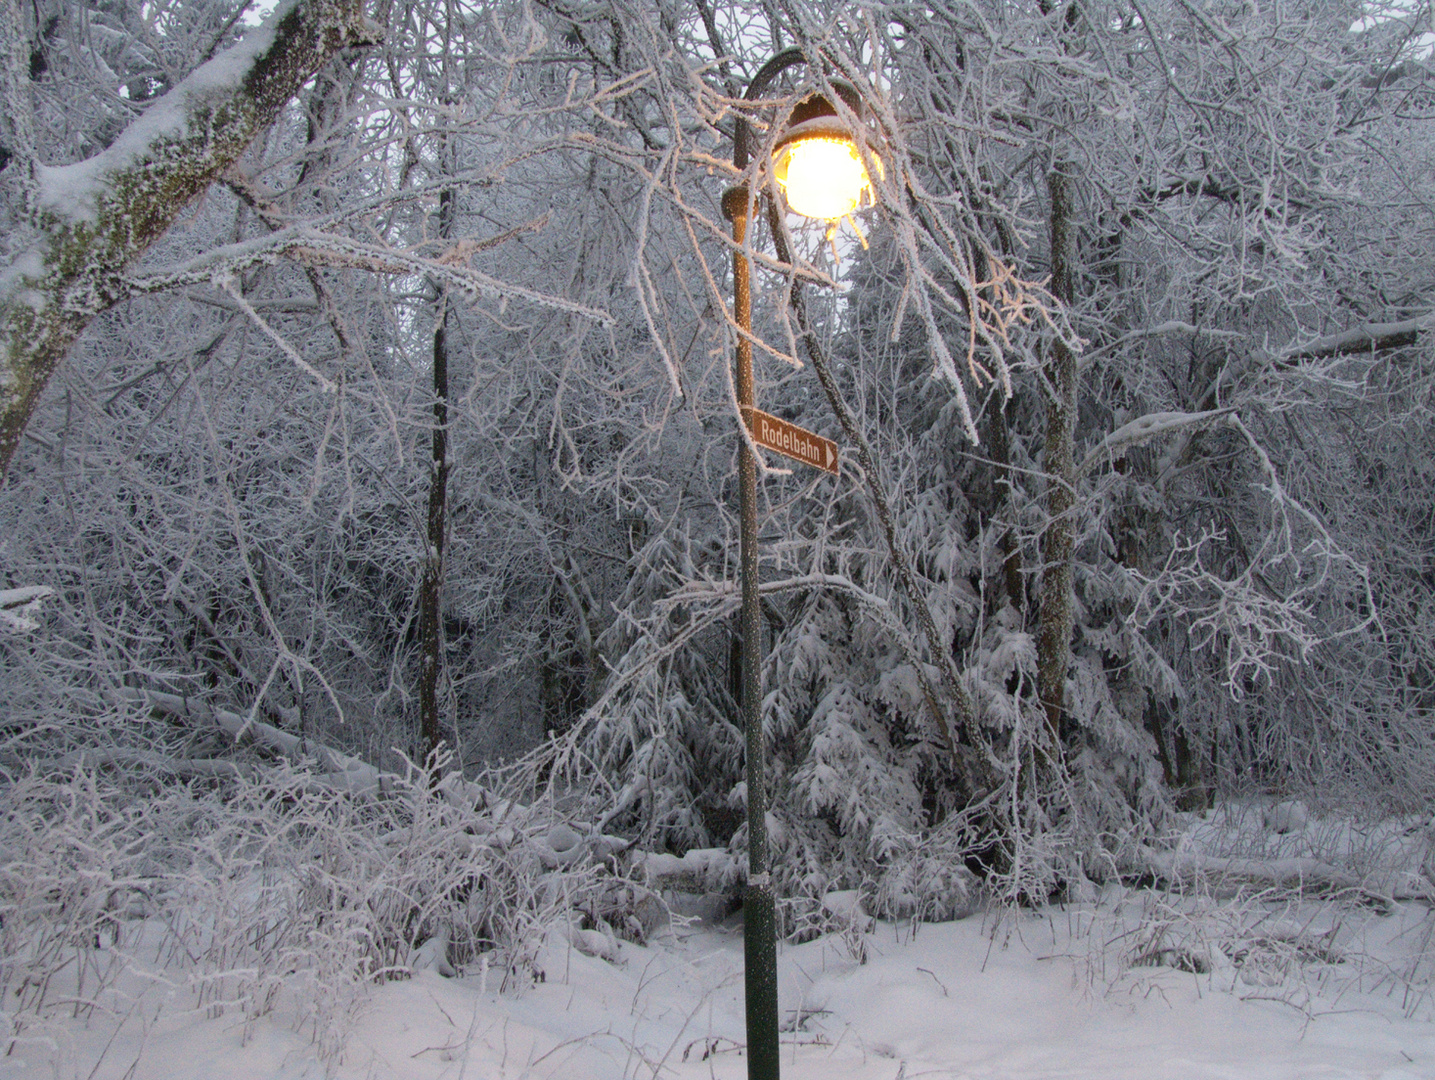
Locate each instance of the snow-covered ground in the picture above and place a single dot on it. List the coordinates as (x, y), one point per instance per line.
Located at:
(219, 932)
(1016, 996)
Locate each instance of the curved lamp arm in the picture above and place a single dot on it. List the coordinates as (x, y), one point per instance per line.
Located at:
(816, 160)
(742, 136)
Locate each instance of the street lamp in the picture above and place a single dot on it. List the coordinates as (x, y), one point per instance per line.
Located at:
(818, 165)
(816, 161)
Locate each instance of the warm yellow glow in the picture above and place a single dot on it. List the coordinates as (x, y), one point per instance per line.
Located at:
(822, 176)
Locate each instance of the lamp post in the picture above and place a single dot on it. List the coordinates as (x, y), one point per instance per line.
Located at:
(817, 164)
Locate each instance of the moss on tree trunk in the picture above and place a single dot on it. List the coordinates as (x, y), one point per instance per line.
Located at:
(75, 266)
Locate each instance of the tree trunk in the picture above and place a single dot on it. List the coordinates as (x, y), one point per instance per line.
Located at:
(1056, 618)
(1000, 439)
(92, 219)
(431, 587)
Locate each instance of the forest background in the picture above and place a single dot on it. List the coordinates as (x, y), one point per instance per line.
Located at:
(373, 393)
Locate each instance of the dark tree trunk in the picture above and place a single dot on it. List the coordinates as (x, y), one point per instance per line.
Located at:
(431, 587)
(1056, 617)
(1006, 480)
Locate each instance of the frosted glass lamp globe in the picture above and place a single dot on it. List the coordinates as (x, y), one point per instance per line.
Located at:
(821, 175)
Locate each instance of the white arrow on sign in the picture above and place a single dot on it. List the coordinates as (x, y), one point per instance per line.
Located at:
(789, 439)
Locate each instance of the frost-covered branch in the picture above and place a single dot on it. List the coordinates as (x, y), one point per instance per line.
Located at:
(20, 608)
(1369, 338)
(1142, 430)
(1170, 326)
(1255, 620)
(318, 248)
(93, 218)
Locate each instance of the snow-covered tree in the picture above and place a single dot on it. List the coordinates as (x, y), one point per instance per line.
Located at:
(1128, 363)
(76, 225)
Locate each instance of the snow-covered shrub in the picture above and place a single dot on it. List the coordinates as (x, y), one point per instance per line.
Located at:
(663, 731)
(841, 917)
(927, 885)
(864, 792)
(276, 890)
(72, 875)
(1261, 939)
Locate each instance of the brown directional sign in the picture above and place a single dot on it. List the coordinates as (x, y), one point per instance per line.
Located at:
(777, 434)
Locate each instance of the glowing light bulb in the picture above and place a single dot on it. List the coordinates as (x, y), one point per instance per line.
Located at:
(822, 176)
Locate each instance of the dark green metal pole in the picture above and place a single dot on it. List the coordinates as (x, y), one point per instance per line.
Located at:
(758, 929)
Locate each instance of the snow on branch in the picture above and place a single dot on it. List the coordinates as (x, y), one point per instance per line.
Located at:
(1285, 873)
(699, 870)
(258, 73)
(20, 608)
(94, 218)
(1369, 338)
(341, 770)
(325, 249)
(730, 591)
(185, 768)
(1145, 428)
